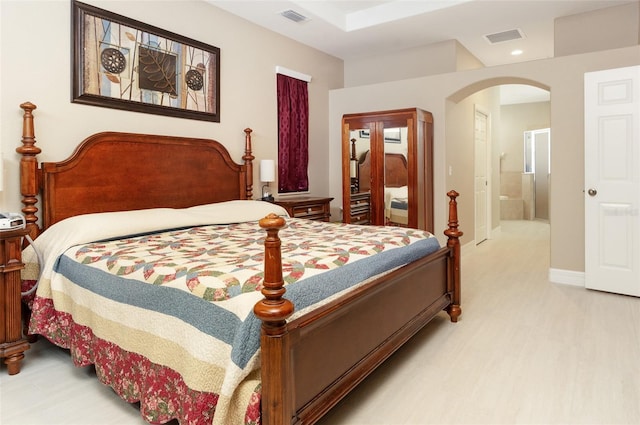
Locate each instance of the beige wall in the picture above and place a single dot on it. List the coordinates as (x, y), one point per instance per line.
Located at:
(460, 153)
(438, 58)
(440, 93)
(516, 119)
(604, 29)
(614, 33)
(35, 67)
(35, 54)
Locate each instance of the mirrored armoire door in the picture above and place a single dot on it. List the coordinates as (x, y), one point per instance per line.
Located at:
(387, 168)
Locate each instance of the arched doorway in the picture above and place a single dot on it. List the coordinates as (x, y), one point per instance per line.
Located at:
(504, 155)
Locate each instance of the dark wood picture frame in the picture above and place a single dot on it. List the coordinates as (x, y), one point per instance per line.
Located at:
(392, 135)
(122, 63)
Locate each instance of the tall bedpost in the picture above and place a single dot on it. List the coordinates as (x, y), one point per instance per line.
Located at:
(453, 242)
(29, 173)
(248, 161)
(273, 310)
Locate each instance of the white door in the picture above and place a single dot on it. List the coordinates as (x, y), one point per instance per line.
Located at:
(481, 135)
(612, 182)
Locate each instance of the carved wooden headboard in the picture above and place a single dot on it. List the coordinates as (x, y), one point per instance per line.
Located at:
(395, 166)
(113, 171)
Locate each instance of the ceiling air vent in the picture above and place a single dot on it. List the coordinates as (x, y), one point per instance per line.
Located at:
(500, 37)
(294, 16)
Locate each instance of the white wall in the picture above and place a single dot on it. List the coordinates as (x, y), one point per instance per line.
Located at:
(35, 53)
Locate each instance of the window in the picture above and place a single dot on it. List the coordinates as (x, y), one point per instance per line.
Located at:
(293, 134)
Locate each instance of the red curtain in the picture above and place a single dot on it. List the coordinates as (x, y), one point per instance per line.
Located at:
(293, 135)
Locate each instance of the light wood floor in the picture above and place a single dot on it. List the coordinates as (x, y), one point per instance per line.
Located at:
(526, 351)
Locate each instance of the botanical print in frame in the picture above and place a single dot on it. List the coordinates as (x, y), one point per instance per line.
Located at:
(125, 64)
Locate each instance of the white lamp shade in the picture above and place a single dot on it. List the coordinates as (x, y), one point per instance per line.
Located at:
(353, 169)
(267, 170)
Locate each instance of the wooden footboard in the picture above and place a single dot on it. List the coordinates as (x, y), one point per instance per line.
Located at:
(312, 362)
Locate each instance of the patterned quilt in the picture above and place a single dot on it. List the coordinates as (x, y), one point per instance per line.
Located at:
(166, 315)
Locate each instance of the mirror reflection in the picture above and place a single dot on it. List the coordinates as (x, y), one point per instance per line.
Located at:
(396, 193)
(360, 145)
(387, 174)
(396, 174)
(359, 209)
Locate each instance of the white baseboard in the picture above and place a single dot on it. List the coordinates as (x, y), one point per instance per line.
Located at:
(566, 277)
(468, 247)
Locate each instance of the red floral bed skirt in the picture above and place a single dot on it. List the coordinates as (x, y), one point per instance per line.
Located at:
(161, 391)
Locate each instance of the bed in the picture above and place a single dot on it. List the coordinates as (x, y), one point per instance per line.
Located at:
(290, 378)
(396, 206)
(396, 191)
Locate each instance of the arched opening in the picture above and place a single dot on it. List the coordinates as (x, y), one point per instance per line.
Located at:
(503, 188)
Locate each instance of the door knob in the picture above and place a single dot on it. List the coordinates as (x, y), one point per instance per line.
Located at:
(592, 192)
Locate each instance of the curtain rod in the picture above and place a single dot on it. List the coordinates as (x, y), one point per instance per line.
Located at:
(293, 74)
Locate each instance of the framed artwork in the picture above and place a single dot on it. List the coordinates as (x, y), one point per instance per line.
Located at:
(392, 135)
(121, 63)
(363, 134)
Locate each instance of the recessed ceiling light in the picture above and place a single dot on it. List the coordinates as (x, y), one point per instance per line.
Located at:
(516, 52)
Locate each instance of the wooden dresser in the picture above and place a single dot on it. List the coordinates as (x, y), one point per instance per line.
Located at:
(309, 207)
(360, 212)
(12, 343)
(388, 150)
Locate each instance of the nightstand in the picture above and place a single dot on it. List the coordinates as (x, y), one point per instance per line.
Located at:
(12, 343)
(309, 207)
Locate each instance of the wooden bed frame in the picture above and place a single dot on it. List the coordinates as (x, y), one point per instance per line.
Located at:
(301, 381)
(396, 173)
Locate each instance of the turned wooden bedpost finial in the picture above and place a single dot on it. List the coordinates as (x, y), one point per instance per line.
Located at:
(273, 310)
(453, 242)
(29, 177)
(248, 162)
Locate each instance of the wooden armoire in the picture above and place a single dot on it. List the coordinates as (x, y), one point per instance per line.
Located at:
(387, 168)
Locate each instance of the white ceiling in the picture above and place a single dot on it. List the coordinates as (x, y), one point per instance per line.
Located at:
(350, 29)
(358, 28)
